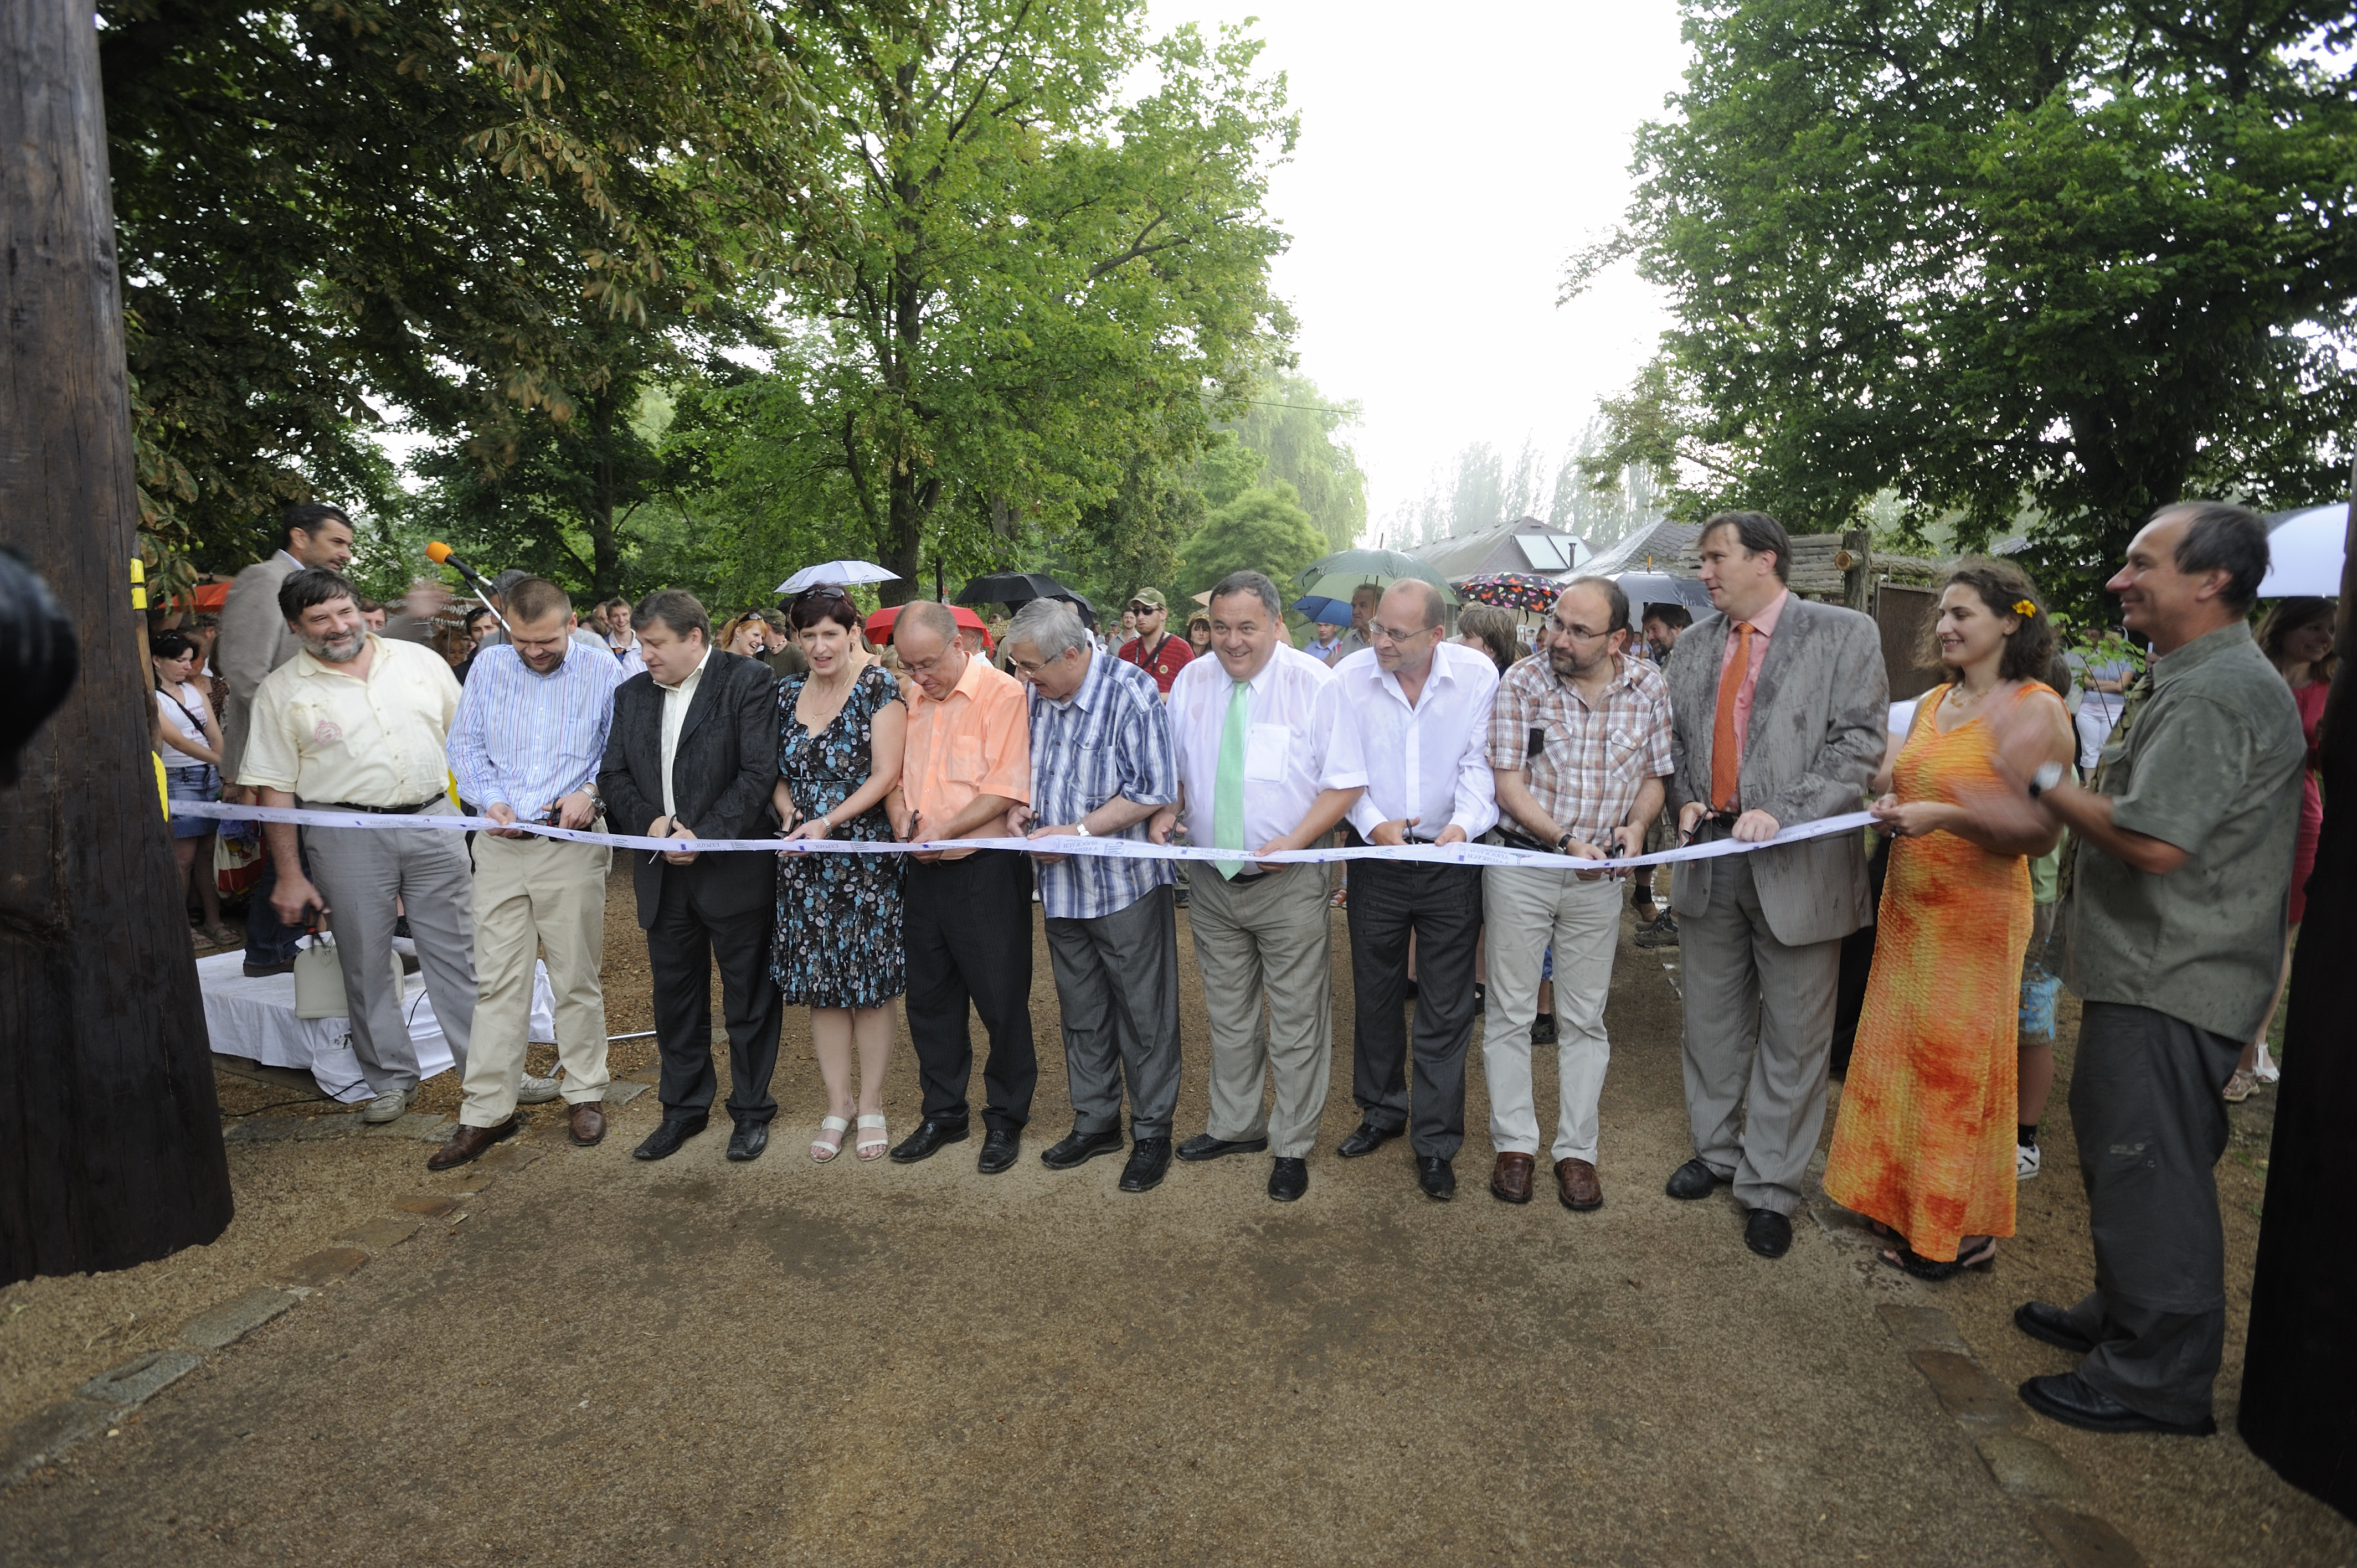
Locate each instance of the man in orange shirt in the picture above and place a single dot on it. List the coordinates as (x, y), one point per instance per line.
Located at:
(967, 919)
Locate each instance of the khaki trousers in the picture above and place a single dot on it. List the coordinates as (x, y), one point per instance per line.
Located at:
(1267, 938)
(535, 896)
(1527, 910)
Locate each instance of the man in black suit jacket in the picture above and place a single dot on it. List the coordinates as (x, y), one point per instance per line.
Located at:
(694, 754)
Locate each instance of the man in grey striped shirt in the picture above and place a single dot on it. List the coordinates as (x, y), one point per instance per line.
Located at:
(1100, 765)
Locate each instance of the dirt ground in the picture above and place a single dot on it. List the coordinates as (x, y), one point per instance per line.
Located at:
(597, 1360)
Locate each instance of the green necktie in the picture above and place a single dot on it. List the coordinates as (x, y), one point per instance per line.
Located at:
(1228, 787)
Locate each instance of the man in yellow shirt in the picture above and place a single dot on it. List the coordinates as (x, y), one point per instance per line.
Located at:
(358, 722)
(967, 920)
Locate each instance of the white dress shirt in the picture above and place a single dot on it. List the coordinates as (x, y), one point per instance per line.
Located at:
(1430, 761)
(676, 702)
(1300, 744)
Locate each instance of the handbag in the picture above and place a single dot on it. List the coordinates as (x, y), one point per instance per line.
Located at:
(237, 858)
(319, 979)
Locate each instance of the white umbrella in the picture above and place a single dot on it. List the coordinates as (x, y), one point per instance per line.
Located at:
(843, 573)
(2304, 552)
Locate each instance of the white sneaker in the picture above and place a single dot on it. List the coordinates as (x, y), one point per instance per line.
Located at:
(2025, 1161)
(2266, 1071)
(535, 1091)
(388, 1107)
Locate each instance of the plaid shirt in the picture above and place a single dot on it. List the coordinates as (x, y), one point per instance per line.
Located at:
(1113, 739)
(1592, 762)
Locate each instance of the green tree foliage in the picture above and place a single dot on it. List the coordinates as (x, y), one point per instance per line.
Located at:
(1294, 427)
(454, 206)
(2088, 255)
(1263, 529)
(1054, 285)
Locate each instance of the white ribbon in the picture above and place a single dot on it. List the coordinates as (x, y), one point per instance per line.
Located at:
(1061, 843)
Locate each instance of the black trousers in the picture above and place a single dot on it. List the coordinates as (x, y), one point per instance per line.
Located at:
(1441, 906)
(1856, 967)
(683, 946)
(967, 925)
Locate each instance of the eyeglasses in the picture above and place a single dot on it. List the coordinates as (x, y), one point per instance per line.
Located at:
(1577, 633)
(1139, 607)
(1378, 632)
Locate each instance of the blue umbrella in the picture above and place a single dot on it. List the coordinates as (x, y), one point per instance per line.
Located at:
(1325, 612)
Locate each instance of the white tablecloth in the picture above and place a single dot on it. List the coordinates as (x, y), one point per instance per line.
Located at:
(255, 1019)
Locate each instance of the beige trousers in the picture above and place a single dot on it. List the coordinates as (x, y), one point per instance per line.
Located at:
(1266, 937)
(535, 896)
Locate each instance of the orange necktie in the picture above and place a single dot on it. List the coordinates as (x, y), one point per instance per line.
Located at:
(1726, 751)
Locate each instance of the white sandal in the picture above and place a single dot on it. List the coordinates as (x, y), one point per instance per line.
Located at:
(872, 1148)
(822, 1151)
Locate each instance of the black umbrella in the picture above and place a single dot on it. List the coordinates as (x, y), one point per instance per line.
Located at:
(1019, 588)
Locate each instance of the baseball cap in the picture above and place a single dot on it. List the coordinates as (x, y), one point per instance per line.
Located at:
(1151, 598)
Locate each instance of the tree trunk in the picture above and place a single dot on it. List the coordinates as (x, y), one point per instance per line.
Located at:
(109, 1136)
(605, 556)
(2300, 1375)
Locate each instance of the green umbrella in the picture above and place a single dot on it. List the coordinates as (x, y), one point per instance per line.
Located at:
(1335, 576)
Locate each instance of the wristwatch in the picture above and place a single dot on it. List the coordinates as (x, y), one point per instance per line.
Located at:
(1563, 845)
(2049, 775)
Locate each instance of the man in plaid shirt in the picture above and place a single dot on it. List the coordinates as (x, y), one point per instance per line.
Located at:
(1100, 765)
(1579, 743)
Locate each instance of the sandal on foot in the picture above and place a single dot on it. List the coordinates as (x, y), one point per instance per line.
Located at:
(1977, 1252)
(872, 1148)
(2238, 1087)
(821, 1150)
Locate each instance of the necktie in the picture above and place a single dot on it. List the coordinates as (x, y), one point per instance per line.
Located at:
(1726, 751)
(1228, 785)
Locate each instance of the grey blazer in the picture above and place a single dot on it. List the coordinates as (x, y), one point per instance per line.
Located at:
(254, 640)
(1816, 734)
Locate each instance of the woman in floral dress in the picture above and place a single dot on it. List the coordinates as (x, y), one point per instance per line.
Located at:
(838, 953)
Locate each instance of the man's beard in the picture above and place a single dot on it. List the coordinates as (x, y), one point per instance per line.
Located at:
(1567, 663)
(336, 650)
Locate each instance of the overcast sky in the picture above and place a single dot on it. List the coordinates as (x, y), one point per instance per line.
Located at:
(1451, 158)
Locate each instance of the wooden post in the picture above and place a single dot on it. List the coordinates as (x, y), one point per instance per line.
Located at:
(2300, 1373)
(109, 1136)
(1858, 570)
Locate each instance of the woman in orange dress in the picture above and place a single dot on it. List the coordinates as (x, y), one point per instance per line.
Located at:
(1924, 1142)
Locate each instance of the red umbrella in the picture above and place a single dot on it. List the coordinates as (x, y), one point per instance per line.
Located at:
(879, 625)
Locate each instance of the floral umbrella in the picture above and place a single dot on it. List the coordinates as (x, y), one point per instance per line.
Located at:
(1512, 590)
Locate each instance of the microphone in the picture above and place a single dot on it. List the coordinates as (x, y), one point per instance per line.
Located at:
(442, 554)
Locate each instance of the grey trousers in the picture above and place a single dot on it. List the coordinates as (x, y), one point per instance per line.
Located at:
(2145, 1107)
(1268, 938)
(1758, 1031)
(1117, 985)
(359, 872)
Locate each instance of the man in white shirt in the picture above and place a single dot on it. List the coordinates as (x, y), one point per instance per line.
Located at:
(1362, 610)
(358, 722)
(1265, 763)
(1420, 704)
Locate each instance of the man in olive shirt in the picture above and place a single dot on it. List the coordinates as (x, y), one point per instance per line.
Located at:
(2172, 918)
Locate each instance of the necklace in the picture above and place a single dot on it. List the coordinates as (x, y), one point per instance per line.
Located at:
(1961, 699)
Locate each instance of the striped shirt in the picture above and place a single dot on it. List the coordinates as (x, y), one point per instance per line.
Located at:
(1590, 762)
(526, 741)
(1112, 738)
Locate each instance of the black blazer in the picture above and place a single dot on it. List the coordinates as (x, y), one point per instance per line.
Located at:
(721, 776)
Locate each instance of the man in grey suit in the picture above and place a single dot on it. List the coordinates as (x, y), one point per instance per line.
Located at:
(1779, 709)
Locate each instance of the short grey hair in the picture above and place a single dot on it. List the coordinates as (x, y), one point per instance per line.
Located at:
(934, 617)
(1249, 583)
(1051, 626)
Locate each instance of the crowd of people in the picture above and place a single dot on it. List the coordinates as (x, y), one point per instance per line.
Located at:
(2170, 909)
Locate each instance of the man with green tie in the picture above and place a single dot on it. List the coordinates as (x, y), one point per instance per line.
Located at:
(1265, 762)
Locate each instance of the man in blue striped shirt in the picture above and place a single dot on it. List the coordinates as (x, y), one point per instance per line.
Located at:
(526, 745)
(1100, 765)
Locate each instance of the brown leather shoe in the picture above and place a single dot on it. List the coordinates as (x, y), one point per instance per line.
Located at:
(469, 1144)
(1577, 1185)
(1510, 1182)
(587, 1126)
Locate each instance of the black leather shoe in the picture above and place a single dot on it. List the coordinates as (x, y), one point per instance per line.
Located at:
(1288, 1180)
(2073, 1400)
(664, 1141)
(1365, 1141)
(1437, 1177)
(1000, 1148)
(927, 1140)
(1148, 1161)
(1692, 1180)
(748, 1142)
(1768, 1233)
(2052, 1325)
(1203, 1146)
(265, 971)
(1078, 1148)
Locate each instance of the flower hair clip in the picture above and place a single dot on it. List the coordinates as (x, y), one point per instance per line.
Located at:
(2024, 607)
